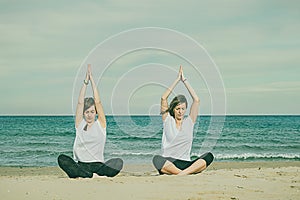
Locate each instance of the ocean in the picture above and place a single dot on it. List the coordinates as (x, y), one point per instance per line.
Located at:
(38, 140)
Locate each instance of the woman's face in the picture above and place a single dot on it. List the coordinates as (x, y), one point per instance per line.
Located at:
(90, 114)
(179, 111)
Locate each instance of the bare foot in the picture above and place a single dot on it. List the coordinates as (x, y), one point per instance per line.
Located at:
(97, 176)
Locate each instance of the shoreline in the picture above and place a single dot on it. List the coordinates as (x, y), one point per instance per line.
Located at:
(144, 169)
(230, 180)
(142, 115)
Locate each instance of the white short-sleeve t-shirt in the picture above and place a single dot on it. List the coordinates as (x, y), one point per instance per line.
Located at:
(177, 143)
(89, 145)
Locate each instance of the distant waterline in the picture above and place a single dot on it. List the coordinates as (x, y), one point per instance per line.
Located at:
(38, 140)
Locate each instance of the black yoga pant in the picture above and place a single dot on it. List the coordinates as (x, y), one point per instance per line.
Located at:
(159, 161)
(85, 170)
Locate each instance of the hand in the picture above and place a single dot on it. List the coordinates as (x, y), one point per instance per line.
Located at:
(89, 70)
(88, 73)
(179, 74)
(182, 78)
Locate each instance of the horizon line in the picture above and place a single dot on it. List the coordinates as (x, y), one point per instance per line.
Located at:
(111, 115)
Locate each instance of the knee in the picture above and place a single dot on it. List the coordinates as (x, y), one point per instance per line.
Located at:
(61, 158)
(115, 163)
(111, 167)
(118, 162)
(209, 157)
(155, 159)
(158, 162)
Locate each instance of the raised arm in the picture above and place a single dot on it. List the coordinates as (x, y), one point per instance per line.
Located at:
(164, 97)
(80, 103)
(196, 101)
(98, 104)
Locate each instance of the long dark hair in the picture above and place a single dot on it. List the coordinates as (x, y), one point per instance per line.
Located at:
(179, 99)
(88, 102)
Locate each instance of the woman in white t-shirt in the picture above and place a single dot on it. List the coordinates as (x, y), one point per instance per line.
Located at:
(90, 139)
(177, 135)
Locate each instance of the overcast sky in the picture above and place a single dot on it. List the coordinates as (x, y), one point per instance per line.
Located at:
(255, 46)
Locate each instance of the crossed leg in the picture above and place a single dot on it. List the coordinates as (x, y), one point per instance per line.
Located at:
(111, 167)
(85, 170)
(168, 165)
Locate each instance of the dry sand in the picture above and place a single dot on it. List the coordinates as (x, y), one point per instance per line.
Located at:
(222, 180)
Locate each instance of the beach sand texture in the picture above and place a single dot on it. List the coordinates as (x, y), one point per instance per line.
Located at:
(222, 180)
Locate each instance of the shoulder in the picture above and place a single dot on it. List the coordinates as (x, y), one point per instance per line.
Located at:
(80, 125)
(168, 118)
(100, 126)
(189, 120)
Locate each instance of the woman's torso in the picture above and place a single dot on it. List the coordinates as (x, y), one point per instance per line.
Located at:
(89, 145)
(177, 143)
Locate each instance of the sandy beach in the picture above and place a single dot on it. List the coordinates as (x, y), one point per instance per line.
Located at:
(222, 180)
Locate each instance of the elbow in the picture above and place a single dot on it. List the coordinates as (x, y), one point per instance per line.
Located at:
(163, 98)
(197, 100)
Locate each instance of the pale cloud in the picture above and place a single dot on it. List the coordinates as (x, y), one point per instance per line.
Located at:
(291, 86)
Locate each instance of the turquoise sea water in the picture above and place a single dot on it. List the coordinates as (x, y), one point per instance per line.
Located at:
(38, 140)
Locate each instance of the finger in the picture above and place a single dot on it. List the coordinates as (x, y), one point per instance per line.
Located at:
(89, 69)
